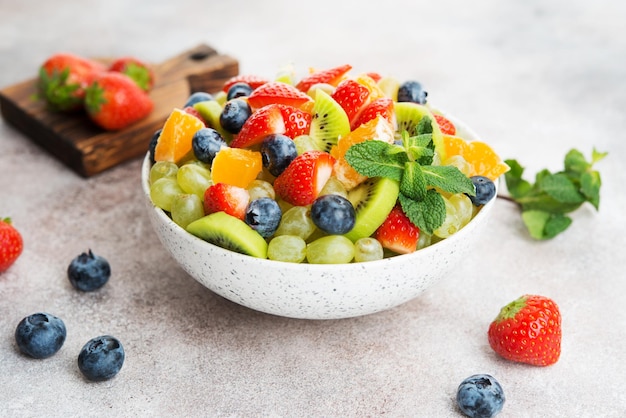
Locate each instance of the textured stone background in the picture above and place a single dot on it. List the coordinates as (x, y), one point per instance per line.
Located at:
(534, 78)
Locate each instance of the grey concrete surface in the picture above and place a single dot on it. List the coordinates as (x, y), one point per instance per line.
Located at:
(534, 78)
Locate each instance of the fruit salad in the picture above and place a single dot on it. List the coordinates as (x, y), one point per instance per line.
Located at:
(332, 167)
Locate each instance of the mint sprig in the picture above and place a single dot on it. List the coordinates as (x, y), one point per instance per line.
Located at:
(411, 165)
(546, 203)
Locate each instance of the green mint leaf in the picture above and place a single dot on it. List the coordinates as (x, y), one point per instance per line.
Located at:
(576, 162)
(543, 225)
(555, 225)
(413, 183)
(561, 188)
(516, 185)
(424, 126)
(448, 178)
(597, 156)
(376, 159)
(590, 183)
(427, 214)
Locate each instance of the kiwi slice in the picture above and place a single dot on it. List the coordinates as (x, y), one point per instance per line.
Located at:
(230, 233)
(373, 200)
(329, 121)
(408, 115)
(211, 110)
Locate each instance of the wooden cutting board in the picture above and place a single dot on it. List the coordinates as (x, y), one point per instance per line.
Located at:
(88, 149)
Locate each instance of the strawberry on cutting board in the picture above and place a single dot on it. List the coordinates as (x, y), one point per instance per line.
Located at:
(11, 244)
(397, 233)
(114, 101)
(528, 330)
(141, 72)
(303, 179)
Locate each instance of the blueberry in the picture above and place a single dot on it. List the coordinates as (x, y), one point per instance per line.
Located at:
(89, 272)
(277, 152)
(238, 90)
(485, 190)
(263, 215)
(153, 143)
(101, 358)
(412, 91)
(206, 142)
(480, 396)
(40, 335)
(234, 115)
(197, 97)
(333, 214)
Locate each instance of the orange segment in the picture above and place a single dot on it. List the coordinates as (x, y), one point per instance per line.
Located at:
(481, 157)
(376, 92)
(236, 166)
(175, 139)
(376, 129)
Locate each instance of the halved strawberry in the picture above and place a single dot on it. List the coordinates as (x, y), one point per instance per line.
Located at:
(351, 96)
(267, 120)
(223, 197)
(447, 127)
(331, 76)
(253, 81)
(382, 106)
(277, 92)
(303, 179)
(397, 233)
(297, 122)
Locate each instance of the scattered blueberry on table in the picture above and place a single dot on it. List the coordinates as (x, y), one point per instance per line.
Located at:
(40, 335)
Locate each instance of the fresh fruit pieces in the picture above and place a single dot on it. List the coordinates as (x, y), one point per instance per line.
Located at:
(222, 197)
(528, 330)
(376, 129)
(480, 396)
(197, 97)
(11, 244)
(101, 358)
(277, 152)
(287, 248)
(330, 249)
(63, 78)
(412, 92)
(329, 122)
(193, 111)
(265, 121)
(230, 233)
(40, 335)
(89, 272)
(297, 121)
(234, 115)
(253, 81)
(263, 215)
(113, 101)
(239, 90)
(397, 233)
(445, 125)
(373, 200)
(459, 211)
(304, 178)
(330, 76)
(296, 221)
(383, 106)
(368, 249)
(163, 191)
(194, 178)
(482, 158)
(333, 214)
(187, 208)
(485, 190)
(206, 143)
(211, 110)
(236, 166)
(175, 140)
(279, 93)
(140, 72)
(389, 86)
(409, 114)
(351, 96)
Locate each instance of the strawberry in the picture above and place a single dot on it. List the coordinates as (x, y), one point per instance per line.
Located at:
(331, 76)
(528, 330)
(267, 120)
(136, 69)
(382, 106)
(351, 96)
(397, 233)
(304, 177)
(63, 79)
(447, 127)
(277, 92)
(114, 101)
(11, 244)
(253, 81)
(297, 122)
(374, 76)
(224, 197)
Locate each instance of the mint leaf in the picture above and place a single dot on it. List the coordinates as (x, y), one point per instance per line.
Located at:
(448, 178)
(376, 159)
(561, 188)
(543, 225)
(590, 183)
(413, 183)
(427, 214)
(517, 186)
(575, 162)
(424, 126)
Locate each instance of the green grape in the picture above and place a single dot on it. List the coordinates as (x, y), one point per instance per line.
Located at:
(186, 208)
(162, 169)
(296, 221)
(367, 249)
(424, 240)
(304, 143)
(459, 162)
(194, 178)
(163, 191)
(261, 188)
(334, 186)
(332, 249)
(288, 248)
(458, 213)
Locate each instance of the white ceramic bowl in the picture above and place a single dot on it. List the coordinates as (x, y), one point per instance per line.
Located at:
(310, 291)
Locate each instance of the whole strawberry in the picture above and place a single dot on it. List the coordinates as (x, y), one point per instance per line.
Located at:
(11, 244)
(114, 101)
(528, 330)
(63, 79)
(136, 69)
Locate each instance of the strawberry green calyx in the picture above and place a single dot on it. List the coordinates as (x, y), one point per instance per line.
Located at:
(512, 309)
(57, 92)
(94, 98)
(140, 74)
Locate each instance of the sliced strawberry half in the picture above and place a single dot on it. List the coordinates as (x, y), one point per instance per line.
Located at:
(351, 96)
(297, 122)
(303, 179)
(447, 127)
(382, 106)
(397, 233)
(267, 120)
(223, 197)
(253, 81)
(331, 76)
(277, 92)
